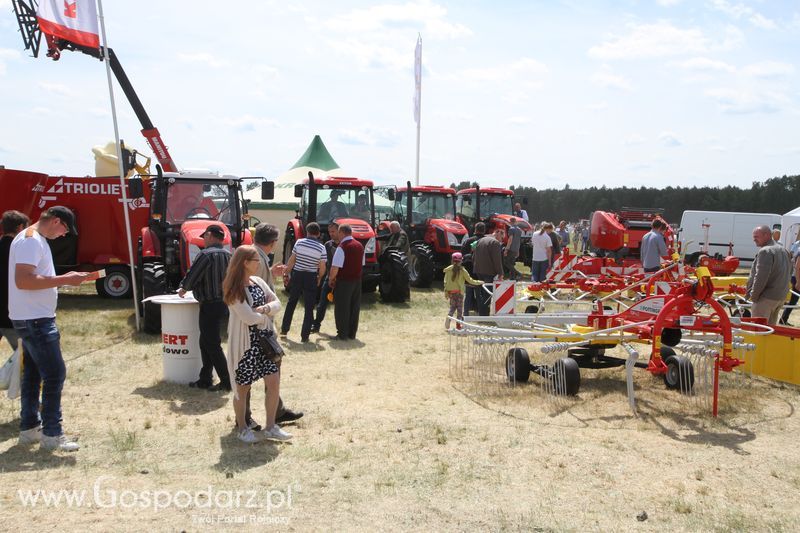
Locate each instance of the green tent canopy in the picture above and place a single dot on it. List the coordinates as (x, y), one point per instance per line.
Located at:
(317, 156)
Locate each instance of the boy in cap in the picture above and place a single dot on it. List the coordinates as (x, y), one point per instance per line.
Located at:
(32, 299)
(204, 279)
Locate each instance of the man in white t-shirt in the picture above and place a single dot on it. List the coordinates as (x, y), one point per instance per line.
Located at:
(32, 298)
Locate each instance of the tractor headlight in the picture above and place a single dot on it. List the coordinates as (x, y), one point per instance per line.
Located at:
(452, 239)
(370, 247)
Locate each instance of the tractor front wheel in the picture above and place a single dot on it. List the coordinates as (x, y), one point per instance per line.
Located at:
(420, 266)
(154, 282)
(116, 283)
(393, 285)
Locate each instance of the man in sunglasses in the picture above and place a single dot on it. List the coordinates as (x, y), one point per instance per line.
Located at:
(32, 299)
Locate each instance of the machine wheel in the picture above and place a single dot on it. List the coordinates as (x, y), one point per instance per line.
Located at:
(288, 246)
(671, 336)
(566, 377)
(393, 285)
(420, 266)
(680, 373)
(666, 352)
(116, 283)
(518, 365)
(154, 282)
(532, 309)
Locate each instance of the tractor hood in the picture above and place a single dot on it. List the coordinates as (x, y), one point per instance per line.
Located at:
(361, 228)
(191, 237)
(506, 219)
(450, 226)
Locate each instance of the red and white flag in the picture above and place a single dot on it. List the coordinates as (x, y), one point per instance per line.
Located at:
(71, 20)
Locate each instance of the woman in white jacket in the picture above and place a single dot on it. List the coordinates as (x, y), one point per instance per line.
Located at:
(252, 305)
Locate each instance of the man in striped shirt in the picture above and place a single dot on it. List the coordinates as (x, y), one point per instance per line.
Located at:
(304, 270)
(204, 279)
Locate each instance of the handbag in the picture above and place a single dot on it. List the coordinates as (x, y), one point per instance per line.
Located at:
(270, 346)
(10, 375)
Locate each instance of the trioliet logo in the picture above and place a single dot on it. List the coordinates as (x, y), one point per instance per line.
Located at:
(175, 344)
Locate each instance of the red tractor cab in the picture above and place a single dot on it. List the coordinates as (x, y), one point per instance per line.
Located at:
(494, 207)
(349, 201)
(182, 206)
(619, 235)
(427, 215)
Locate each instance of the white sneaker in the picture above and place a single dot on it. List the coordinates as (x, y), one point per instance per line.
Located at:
(249, 436)
(30, 436)
(61, 442)
(276, 433)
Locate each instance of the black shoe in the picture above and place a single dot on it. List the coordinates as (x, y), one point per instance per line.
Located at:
(199, 384)
(339, 338)
(284, 333)
(314, 328)
(288, 416)
(352, 337)
(304, 339)
(220, 387)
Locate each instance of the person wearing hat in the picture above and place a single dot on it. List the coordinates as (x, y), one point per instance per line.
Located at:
(204, 279)
(455, 279)
(32, 299)
(332, 209)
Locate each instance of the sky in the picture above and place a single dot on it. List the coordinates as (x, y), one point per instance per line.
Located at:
(536, 93)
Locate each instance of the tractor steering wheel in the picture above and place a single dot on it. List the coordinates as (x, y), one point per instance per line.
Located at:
(198, 209)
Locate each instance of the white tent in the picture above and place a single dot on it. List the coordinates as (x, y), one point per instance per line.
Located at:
(790, 227)
(283, 206)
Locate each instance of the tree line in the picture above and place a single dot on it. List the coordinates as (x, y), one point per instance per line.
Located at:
(775, 195)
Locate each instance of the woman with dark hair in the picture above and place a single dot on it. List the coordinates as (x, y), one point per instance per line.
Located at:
(252, 305)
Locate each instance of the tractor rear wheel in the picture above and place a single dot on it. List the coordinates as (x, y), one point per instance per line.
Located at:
(420, 266)
(394, 276)
(518, 365)
(154, 282)
(680, 373)
(116, 283)
(566, 377)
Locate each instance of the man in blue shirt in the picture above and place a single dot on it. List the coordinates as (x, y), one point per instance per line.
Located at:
(653, 247)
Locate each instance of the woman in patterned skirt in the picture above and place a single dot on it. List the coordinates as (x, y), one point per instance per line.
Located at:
(252, 305)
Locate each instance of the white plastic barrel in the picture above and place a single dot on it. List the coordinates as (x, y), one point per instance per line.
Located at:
(180, 337)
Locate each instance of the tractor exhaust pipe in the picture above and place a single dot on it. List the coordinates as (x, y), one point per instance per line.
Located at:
(409, 202)
(312, 198)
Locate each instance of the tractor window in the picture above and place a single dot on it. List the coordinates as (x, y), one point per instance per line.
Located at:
(194, 200)
(465, 206)
(493, 203)
(426, 205)
(341, 202)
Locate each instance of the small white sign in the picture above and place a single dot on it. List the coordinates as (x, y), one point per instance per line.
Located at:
(688, 321)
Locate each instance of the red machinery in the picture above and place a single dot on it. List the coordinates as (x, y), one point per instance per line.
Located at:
(495, 208)
(427, 216)
(350, 201)
(717, 264)
(619, 235)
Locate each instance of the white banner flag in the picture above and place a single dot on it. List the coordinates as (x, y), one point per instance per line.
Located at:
(417, 79)
(71, 20)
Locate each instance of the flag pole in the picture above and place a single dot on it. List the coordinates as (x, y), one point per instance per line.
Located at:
(120, 165)
(418, 107)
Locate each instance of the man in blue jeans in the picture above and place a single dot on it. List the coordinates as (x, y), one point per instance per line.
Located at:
(32, 299)
(304, 271)
(330, 248)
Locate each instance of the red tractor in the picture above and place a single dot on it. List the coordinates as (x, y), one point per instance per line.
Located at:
(427, 215)
(619, 235)
(495, 208)
(350, 201)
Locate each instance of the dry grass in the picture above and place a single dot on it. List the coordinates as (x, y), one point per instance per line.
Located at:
(389, 441)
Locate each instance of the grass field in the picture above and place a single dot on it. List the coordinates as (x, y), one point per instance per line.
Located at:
(390, 441)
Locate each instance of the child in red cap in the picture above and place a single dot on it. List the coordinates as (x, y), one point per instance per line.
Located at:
(455, 277)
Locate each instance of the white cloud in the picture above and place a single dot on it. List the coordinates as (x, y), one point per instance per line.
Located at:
(454, 115)
(598, 106)
(518, 121)
(248, 123)
(746, 101)
(768, 69)
(633, 140)
(521, 70)
(368, 136)
(56, 88)
(662, 39)
(372, 55)
(7, 54)
(669, 139)
(203, 58)
(669, 3)
(607, 79)
(424, 17)
(703, 64)
(741, 11)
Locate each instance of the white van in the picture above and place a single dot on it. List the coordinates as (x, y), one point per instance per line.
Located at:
(725, 227)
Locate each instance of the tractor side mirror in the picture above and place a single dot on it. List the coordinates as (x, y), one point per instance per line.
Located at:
(298, 190)
(390, 194)
(135, 188)
(267, 190)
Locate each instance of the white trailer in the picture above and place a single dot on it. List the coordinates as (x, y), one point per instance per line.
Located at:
(725, 227)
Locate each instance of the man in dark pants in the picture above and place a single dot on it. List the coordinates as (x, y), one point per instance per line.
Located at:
(345, 279)
(467, 247)
(488, 265)
(204, 279)
(304, 271)
(330, 248)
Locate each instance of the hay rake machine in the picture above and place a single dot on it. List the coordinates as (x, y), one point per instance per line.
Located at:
(684, 336)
